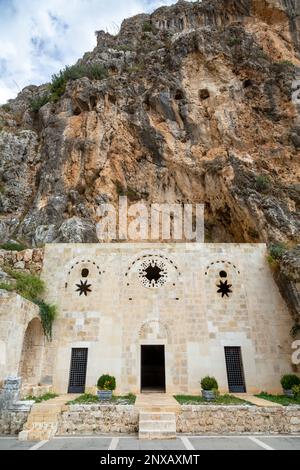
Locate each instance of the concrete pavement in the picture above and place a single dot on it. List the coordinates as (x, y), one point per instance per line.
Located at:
(198, 443)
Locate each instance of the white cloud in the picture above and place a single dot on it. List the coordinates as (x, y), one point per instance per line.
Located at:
(39, 37)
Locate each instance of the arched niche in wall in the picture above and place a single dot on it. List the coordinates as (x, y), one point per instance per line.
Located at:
(32, 353)
(82, 277)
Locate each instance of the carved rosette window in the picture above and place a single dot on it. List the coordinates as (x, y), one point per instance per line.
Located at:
(153, 273)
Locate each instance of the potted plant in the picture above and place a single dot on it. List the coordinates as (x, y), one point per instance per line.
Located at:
(209, 387)
(288, 382)
(106, 385)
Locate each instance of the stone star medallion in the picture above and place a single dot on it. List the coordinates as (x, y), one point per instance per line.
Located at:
(224, 288)
(153, 273)
(83, 288)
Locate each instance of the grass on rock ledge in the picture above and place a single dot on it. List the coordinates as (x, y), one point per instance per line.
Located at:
(89, 399)
(46, 397)
(280, 399)
(220, 400)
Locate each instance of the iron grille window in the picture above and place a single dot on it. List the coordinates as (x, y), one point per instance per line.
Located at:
(78, 370)
(235, 369)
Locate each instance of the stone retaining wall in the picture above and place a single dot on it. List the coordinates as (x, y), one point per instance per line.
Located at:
(12, 422)
(98, 419)
(238, 419)
(101, 419)
(30, 261)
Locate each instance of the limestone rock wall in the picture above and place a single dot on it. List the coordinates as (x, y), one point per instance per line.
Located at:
(238, 419)
(98, 419)
(197, 106)
(12, 422)
(30, 261)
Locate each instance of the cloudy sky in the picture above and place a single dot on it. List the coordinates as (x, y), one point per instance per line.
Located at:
(39, 37)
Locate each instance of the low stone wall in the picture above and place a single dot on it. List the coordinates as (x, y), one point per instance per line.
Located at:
(12, 422)
(30, 261)
(98, 419)
(238, 419)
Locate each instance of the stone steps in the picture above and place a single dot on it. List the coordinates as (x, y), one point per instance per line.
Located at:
(43, 419)
(157, 425)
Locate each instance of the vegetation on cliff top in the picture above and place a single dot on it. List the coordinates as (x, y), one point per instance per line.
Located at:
(59, 82)
(31, 287)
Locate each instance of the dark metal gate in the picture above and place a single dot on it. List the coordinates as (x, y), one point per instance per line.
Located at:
(235, 370)
(78, 370)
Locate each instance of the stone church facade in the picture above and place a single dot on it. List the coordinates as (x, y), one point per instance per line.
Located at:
(158, 317)
(162, 316)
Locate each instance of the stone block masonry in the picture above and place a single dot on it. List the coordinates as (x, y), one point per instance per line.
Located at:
(238, 420)
(98, 419)
(12, 422)
(209, 419)
(30, 261)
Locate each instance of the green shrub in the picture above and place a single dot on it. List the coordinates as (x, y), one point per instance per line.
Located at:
(234, 41)
(262, 183)
(296, 391)
(209, 383)
(106, 382)
(277, 251)
(123, 48)
(12, 246)
(6, 107)
(84, 399)
(29, 286)
(6, 286)
(48, 314)
(74, 72)
(37, 103)
(46, 397)
(295, 330)
(286, 63)
(147, 27)
(289, 381)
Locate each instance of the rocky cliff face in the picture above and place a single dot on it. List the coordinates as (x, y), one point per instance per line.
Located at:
(201, 103)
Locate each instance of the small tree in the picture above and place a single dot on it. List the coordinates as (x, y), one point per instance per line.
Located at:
(209, 383)
(289, 381)
(106, 382)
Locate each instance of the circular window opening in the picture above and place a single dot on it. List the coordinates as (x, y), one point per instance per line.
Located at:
(85, 272)
(223, 274)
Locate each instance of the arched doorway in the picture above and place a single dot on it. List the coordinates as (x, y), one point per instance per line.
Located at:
(32, 352)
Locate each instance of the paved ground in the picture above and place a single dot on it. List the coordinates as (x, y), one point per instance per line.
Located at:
(181, 443)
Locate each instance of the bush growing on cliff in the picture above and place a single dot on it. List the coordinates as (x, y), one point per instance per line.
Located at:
(2, 188)
(12, 246)
(6, 286)
(285, 63)
(60, 80)
(31, 288)
(27, 285)
(147, 27)
(277, 250)
(262, 183)
(6, 108)
(37, 103)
